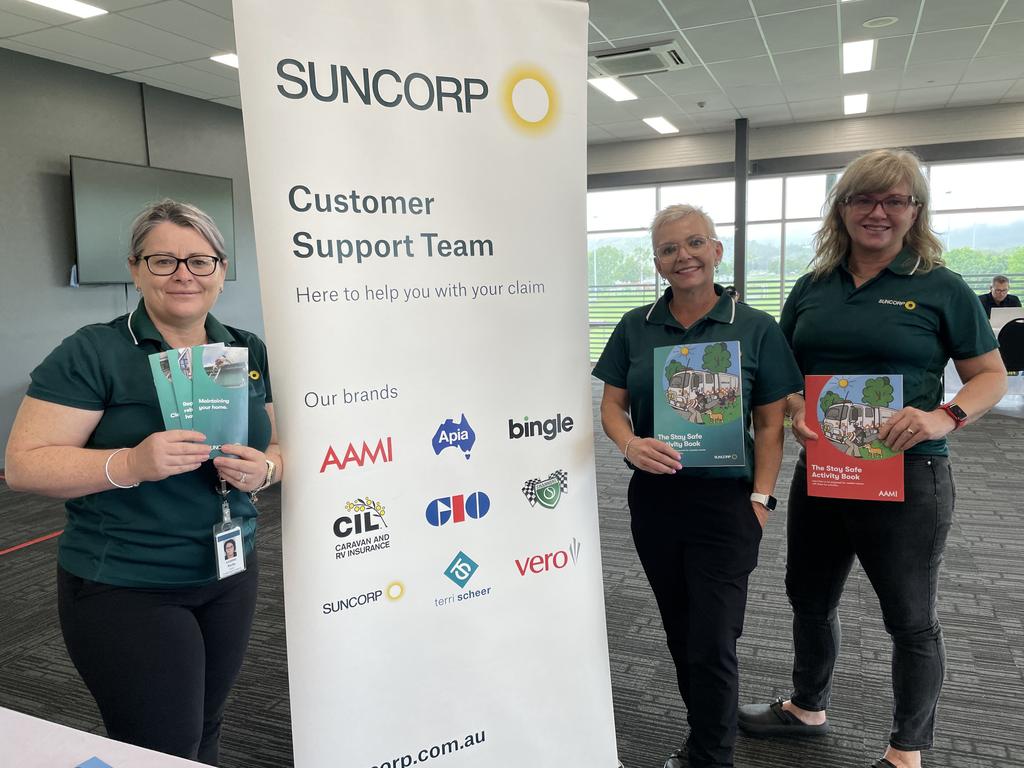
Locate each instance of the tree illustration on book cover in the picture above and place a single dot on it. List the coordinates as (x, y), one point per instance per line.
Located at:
(852, 408)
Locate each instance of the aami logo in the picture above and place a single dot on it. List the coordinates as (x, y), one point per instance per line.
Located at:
(461, 569)
(454, 435)
(549, 428)
(364, 516)
(883, 494)
(547, 492)
(358, 456)
(550, 560)
(456, 508)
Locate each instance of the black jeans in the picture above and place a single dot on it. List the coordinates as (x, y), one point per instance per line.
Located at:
(160, 662)
(900, 547)
(698, 541)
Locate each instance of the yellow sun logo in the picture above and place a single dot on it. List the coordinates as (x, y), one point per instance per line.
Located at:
(395, 590)
(911, 305)
(254, 375)
(843, 383)
(684, 350)
(530, 99)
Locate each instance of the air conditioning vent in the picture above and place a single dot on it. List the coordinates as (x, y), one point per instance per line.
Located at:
(643, 60)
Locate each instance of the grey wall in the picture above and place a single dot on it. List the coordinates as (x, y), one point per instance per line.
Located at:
(49, 111)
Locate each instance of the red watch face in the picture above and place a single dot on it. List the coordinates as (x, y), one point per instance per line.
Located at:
(956, 411)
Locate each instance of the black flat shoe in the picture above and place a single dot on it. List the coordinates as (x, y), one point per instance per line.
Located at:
(773, 720)
(882, 763)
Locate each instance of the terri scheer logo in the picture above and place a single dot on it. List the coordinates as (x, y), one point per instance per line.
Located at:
(528, 97)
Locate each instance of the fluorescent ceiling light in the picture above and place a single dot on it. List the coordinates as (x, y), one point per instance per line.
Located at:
(661, 125)
(612, 88)
(73, 7)
(858, 57)
(231, 59)
(855, 104)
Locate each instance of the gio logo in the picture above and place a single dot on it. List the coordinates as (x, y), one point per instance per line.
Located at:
(548, 492)
(456, 508)
(550, 560)
(461, 569)
(358, 456)
(452, 435)
(549, 428)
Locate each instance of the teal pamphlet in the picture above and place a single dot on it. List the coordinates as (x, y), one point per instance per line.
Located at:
(220, 394)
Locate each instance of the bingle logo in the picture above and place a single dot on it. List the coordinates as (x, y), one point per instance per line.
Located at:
(452, 435)
(548, 492)
(550, 560)
(456, 508)
(549, 428)
(382, 451)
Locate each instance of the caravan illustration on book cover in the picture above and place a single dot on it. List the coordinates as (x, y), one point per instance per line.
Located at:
(698, 402)
(848, 460)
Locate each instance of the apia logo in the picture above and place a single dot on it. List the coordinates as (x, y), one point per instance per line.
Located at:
(461, 569)
(455, 508)
(549, 561)
(549, 428)
(547, 492)
(381, 451)
(452, 435)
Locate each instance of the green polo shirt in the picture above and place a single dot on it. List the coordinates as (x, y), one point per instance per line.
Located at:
(901, 321)
(159, 534)
(767, 365)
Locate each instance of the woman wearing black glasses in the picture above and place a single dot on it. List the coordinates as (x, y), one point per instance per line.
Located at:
(674, 374)
(879, 300)
(156, 636)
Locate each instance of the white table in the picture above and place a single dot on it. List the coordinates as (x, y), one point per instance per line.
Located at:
(28, 742)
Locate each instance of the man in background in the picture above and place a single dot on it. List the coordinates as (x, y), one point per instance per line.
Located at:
(999, 296)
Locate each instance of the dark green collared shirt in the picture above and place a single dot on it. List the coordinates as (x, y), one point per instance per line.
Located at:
(768, 370)
(159, 534)
(901, 321)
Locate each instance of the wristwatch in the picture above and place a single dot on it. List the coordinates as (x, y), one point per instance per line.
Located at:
(769, 501)
(271, 469)
(956, 413)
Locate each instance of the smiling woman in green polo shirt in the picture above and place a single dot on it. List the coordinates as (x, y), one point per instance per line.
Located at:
(157, 638)
(697, 529)
(879, 300)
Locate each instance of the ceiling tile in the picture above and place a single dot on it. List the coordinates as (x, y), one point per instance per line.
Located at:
(924, 98)
(193, 79)
(712, 101)
(765, 7)
(808, 65)
(643, 18)
(855, 14)
(891, 52)
(744, 71)
(937, 73)
(115, 28)
(597, 135)
(11, 24)
(956, 14)
(594, 35)
(995, 68)
(943, 46)
(89, 48)
(697, 13)
(800, 30)
(231, 101)
(214, 68)
(221, 8)
(680, 81)
(775, 114)
(188, 21)
(755, 95)
(634, 129)
(142, 77)
(1014, 11)
(980, 93)
(817, 109)
(35, 12)
(822, 88)
(641, 86)
(13, 44)
(1004, 38)
(881, 103)
(1016, 92)
(877, 80)
(716, 121)
(734, 40)
(641, 108)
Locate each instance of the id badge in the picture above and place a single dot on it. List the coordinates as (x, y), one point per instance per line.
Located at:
(227, 548)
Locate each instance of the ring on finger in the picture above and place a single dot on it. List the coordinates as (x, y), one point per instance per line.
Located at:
(242, 478)
(910, 431)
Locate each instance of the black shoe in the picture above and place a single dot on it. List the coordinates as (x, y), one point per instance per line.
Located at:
(773, 720)
(677, 759)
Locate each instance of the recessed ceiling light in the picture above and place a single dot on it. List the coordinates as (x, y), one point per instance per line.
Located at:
(230, 59)
(661, 125)
(612, 88)
(858, 57)
(855, 104)
(73, 7)
(881, 21)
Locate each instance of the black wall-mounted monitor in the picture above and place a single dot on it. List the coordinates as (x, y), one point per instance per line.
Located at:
(108, 196)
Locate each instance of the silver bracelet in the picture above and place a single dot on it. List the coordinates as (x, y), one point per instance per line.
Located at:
(625, 451)
(106, 471)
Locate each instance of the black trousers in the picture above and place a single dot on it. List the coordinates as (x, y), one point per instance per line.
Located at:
(160, 662)
(698, 541)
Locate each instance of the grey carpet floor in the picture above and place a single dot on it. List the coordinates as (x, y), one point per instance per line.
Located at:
(981, 715)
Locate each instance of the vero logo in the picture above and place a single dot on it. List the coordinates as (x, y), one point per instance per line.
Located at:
(550, 561)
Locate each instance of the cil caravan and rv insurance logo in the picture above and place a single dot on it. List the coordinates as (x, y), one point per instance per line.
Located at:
(458, 508)
(547, 492)
(361, 529)
(528, 97)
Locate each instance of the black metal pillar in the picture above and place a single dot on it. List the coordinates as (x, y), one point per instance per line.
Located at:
(740, 174)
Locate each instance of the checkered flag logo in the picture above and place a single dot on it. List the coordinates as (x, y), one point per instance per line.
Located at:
(547, 492)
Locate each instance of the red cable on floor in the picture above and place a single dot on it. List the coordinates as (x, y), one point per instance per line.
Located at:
(16, 547)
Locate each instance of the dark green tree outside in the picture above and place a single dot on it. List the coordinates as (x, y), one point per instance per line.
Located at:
(829, 399)
(717, 358)
(878, 392)
(673, 368)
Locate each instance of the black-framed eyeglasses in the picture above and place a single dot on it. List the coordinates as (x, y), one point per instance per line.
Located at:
(162, 264)
(866, 204)
(695, 245)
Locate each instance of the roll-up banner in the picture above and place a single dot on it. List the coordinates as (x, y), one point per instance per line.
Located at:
(418, 189)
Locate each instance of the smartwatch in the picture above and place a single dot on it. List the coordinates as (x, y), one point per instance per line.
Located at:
(956, 413)
(769, 501)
